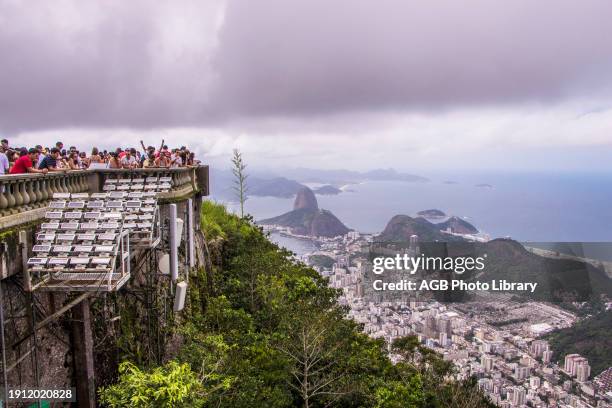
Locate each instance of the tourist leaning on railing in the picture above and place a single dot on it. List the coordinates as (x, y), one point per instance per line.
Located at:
(95, 156)
(25, 165)
(113, 161)
(163, 160)
(129, 160)
(73, 161)
(49, 162)
(149, 161)
(55, 159)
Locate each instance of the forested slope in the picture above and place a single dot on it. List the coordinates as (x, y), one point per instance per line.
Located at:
(263, 331)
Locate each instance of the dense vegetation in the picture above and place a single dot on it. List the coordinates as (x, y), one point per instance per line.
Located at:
(589, 338)
(263, 331)
(322, 261)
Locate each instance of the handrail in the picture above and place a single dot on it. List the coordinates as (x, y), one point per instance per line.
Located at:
(23, 192)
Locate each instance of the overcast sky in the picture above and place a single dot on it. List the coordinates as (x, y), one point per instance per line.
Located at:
(417, 85)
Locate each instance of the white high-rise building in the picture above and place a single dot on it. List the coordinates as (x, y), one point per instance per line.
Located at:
(414, 244)
(521, 372)
(570, 363)
(487, 362)
(583, 371)
(443, 339)
(534, 382)
(577, 366)
(518, 396)
(538, 347)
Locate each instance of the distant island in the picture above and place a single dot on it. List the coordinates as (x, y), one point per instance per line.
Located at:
(483, 185)
(327, 190)
(285, 188)
(433, 213)
(277, 187)
(307, 219)
(450, 182)
(270, 184)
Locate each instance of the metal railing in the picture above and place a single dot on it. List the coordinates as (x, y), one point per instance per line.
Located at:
(24, 192)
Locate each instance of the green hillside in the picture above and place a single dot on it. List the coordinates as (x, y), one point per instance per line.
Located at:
(322, 261)
(559, 280)
(590, 338)
(261, 330)
(401, 227)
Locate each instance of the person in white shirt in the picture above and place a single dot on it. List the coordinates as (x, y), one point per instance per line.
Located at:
(175, 159)
(129, 161)
(4, 162)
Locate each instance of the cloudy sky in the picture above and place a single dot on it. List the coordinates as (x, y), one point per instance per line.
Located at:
(358, 84)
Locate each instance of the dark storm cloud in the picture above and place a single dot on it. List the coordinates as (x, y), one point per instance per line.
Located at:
(324, 56)
(131, 64)
(74, 65)
(54, 76)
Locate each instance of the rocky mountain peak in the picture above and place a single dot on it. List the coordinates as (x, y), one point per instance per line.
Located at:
(305, 198)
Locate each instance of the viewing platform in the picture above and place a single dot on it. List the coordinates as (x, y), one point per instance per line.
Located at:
(24, 197)
(26, 204)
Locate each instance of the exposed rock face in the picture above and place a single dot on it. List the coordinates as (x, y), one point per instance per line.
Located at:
(307, 219)
(305, 198)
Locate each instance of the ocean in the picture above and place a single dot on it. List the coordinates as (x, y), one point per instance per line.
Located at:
(524, 206)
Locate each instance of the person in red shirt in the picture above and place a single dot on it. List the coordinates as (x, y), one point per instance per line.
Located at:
(24, 164)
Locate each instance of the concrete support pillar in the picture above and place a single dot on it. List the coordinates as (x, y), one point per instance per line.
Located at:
(173, 241)
(82, 343)
(95, 181)
(202, 177)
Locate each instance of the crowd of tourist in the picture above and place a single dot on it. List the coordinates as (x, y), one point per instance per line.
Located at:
(40, 159)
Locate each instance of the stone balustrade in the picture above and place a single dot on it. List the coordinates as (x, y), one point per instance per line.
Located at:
(24, 192)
